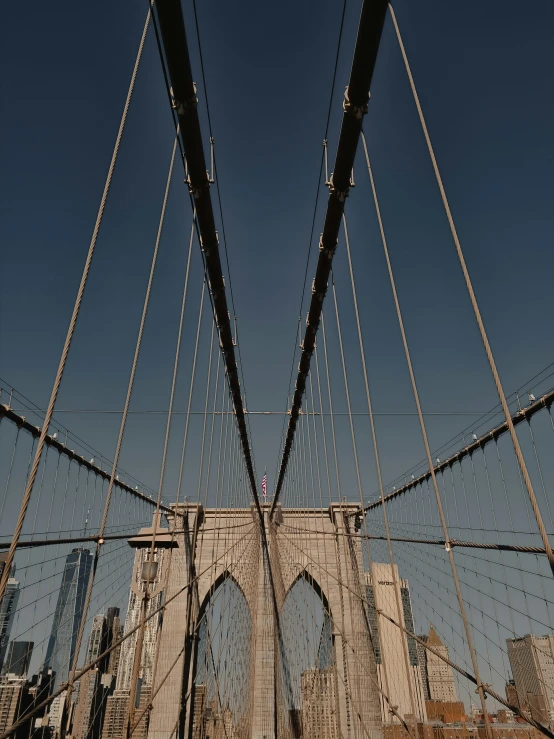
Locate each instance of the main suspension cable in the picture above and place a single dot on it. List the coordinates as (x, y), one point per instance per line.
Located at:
(355, 107)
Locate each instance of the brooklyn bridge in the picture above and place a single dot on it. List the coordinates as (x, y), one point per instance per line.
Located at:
(386, 571)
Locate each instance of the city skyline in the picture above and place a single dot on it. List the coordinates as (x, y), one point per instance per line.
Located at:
(107, 686)
(276, 377)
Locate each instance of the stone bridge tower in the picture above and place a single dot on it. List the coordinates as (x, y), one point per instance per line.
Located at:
(316, 544)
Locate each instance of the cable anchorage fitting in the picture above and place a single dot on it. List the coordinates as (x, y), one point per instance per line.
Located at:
(357, 111)
(327, 181)
(211, 176)
(180, 106)
(341, 195)
(320, 295)
(196, 192)
(207, 250)
(311, 327)
(328, 251)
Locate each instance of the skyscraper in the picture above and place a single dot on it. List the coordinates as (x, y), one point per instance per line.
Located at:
(18, 658)
(67, 617)
(96, 638)
(113, 658)
(441, 685)
(112, 632)
(14, 701)
(389, 643)
(8, 606)
(127, 655)
(532, 662)
(117, 705)
(422, 659)
(96, 686)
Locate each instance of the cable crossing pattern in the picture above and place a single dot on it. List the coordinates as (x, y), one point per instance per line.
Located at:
(368, 596)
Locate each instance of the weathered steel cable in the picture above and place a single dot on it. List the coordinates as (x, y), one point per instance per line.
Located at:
(121, 434)
(145, 595)
(72, 323)
(175, 372)
(488, 351)
(106, 537)
(356, 463)
(425, 438)
(376, 456)
(355, 106)
(436, 542)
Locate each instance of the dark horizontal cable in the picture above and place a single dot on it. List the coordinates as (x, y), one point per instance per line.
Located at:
(437, 542)
(522, 415)
(106, 537)
(479, 529)
(72, 455)
(526, 594)
(355, 106)
(75, 540)
(114, 528)
(272, 413)
(505, 565)
(469, 544)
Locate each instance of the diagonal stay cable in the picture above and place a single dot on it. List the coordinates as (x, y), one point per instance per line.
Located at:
(425, 439)
(83, 671)
(475, 305)
(123, 423)
(428, 648)
(72, 323)
(355, 106)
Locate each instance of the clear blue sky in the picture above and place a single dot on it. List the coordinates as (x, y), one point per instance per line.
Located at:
(484, 76)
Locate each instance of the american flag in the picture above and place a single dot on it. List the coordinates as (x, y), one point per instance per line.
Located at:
(264, 486)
